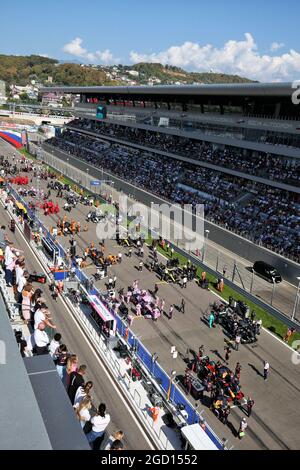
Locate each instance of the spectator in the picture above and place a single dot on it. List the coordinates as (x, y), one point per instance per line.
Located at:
(82, 392)
(71, 366)
(117, 445)
(3, 238)
(83, 410)
(35, 300)
(99, 424)
(118, 436)
(76, 380)
(27, 294)
(9, 261)
(61, 361)
(54, 345)
(43, 314)
(41, 339)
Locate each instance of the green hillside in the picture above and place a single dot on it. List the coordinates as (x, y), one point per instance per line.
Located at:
(173, 74)
(20, 70)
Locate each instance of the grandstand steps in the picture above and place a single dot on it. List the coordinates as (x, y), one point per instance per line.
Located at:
(243, 200)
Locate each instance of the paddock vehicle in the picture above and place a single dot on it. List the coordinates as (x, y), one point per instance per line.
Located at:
(268, 272)
(95, 216)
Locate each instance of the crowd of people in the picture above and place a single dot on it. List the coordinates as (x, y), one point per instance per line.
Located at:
(44, 339)
(268, 216)
(262, 164)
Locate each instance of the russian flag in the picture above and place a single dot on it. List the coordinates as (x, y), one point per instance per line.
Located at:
(13, 138)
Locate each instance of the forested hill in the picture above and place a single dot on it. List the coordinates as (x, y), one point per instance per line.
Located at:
(20, 70)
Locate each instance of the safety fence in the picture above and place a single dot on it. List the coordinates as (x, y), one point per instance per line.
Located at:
(168, 389)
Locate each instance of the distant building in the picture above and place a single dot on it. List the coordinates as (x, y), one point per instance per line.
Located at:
(52, 99)
(3, 97)
(134, 73)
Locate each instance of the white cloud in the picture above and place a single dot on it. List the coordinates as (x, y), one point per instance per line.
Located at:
(235, 57)
(275, 46)
(75, 48)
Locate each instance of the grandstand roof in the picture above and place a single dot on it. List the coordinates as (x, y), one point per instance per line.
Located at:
(234, 89)
(64, 430)
(35, 411)
(22, 426)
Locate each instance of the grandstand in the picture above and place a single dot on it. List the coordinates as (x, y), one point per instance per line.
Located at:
(234, 148)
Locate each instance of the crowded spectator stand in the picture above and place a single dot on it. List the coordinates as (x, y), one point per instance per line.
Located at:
(273, 225)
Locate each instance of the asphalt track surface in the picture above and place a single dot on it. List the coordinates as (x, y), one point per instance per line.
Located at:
(275, 421)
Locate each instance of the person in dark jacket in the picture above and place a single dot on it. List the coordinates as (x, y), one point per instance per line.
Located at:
(76, 381)
(250, 404)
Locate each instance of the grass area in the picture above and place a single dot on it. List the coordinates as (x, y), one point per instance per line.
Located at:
(27, 154)
(271, 323)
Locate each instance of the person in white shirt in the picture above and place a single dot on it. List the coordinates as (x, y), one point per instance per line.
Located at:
(266, 370)
(41, 315)
(83, 411)
(82, 392)
(54, 345)
(242, 428)
(100, 423)
(9, 261)
(41, 339)
(237, 341)
(19, 269)
(3, 238)
(22, 281)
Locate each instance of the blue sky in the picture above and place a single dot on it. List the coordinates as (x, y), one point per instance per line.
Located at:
(193, 34)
